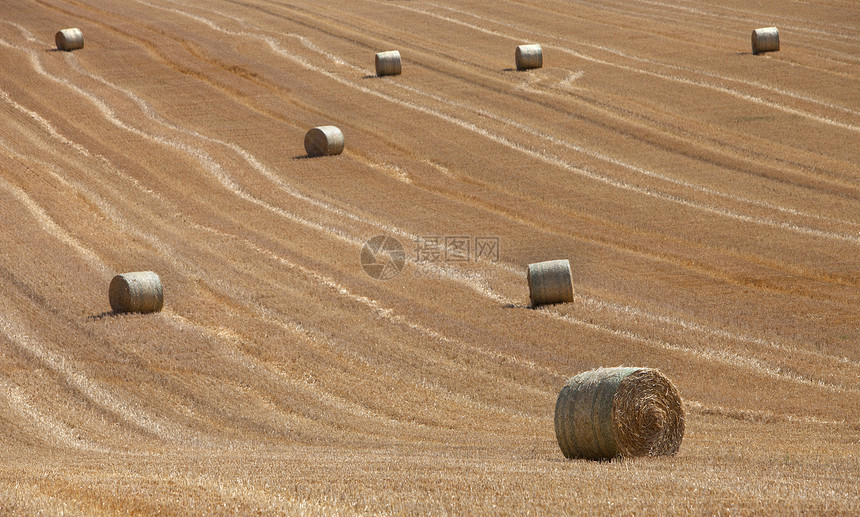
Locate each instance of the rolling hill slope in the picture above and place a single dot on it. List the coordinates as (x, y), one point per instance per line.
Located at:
(708, 201)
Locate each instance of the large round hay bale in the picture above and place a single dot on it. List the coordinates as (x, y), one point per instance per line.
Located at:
(610, 412)
(765, 40)
(388, 63)
(136, 292)
(69, 39)
(529, 56)
(550, 282)
(324, 141)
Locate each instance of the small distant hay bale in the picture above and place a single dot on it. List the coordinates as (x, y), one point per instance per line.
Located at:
(139, 291)
(388, 63)
(324, 141)
(765, 40)
(550, 282)
(619, 412)
(529, 56)
(70, 39)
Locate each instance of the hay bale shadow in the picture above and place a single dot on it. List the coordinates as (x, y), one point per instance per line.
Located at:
(103, 315)
(518, 306)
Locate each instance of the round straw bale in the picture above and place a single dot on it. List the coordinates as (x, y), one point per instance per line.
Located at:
(388, 63)
(610, 412)
(324, 141)
(529, 56)
(550, 282)
(765, 40)
(136, 292)
(69, 39)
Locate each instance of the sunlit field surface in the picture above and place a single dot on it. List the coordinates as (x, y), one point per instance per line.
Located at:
(708, 200)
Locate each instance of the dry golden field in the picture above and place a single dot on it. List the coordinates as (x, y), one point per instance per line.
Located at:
(708, 200)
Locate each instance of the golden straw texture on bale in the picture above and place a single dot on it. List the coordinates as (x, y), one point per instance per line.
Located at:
(324, 141)
(550, 282)
(765, 40)
(140, 291)
(529, 56)
(611, 412)
(69, 39)
(388, 63)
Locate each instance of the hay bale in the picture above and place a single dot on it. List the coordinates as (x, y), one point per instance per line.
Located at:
(610, 412)
(765, 40)
(136, 292)
(550, 282)
(388, 63)
(529, 56)
(324, 141)
(70, 39)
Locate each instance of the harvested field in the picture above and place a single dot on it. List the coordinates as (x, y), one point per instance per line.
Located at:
(708, 201)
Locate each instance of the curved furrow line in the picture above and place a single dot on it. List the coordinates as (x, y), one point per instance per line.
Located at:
(719, 356)
(707, 354)
(755, 415)
(698, 71)
(178, 261)
(255, 163)
(228, 182)
(375, 308)
(600, 156)
(54, 431)
(232, 349)
(820, 48)
(363, 28)
(688, 325)
(207, 163)
(626, 165)
(673, 78)
(217, 171)
(89, 389)
(252, 161)
(51, 226)
(388, 313)
(593, 153)
(724, 357)
(261, 311)
(164, 250)
(502, 300)
(687, 16)
(704, 352)
(540, 155)
(757, 17)
(252, 365)
(814, 40)
(400, 233)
